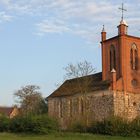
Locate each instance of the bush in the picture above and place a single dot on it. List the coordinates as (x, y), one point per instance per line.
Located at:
(111, 126)
(41, 124)
(79, 127)
(21, 124)
(44, 124)
(4, 124)
(135, 127)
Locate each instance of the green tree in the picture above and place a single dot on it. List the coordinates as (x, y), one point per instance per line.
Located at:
(30, 100)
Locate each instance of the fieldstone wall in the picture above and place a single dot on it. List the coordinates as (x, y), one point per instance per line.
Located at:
(94, 106)
(127, 105)
(81, 108)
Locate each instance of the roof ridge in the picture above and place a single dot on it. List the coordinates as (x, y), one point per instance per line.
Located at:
(84, 76)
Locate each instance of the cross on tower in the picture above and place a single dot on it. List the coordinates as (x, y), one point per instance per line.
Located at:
(122, 9)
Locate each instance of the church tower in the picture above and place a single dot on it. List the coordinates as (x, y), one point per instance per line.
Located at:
(121, 57)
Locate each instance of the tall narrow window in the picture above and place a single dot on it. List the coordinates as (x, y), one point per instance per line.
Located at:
(134, 57)
(70, 107)
(82, 106)
(61, 109)
(112, 58)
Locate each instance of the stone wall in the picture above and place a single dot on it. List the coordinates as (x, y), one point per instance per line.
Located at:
(94, 106)
(88, 108)
(127, 105)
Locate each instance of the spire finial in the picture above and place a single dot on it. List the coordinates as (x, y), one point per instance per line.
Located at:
(122, 9)
(103, 30)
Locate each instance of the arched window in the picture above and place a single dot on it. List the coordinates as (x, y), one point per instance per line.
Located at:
(134, 57)
(112, 58)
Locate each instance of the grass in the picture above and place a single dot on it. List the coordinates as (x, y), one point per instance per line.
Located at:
(66, 136)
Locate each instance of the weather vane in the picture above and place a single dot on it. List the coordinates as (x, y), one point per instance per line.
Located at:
(122, 9)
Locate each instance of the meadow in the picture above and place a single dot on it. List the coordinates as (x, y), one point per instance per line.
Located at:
(62, 136)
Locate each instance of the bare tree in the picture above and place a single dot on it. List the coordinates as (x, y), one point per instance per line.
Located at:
(81, 83)
(79, 70)
(31, 100)
(80, 73)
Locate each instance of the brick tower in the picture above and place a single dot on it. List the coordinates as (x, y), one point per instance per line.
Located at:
(121, 53)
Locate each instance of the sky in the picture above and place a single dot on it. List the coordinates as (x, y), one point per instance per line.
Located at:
(38, 38)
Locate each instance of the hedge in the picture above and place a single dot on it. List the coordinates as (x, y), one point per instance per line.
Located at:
(111, 126)
(40, 124)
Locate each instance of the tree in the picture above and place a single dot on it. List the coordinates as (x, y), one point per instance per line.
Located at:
(79, 70)
(82, 82)
(31, 100)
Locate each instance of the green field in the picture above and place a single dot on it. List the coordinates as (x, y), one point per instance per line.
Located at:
(5, 136)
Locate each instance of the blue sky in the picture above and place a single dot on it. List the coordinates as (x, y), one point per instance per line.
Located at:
(38, 38)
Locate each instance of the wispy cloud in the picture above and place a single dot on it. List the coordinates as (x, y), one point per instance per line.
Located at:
(52, 26)
(83, 18)
(5, 17)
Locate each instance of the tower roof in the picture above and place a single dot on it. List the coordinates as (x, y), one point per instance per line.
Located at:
(123, 22)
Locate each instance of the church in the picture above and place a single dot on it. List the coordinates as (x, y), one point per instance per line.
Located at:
(113, 92)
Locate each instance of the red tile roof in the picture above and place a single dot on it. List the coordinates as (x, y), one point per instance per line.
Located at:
(6, 110)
